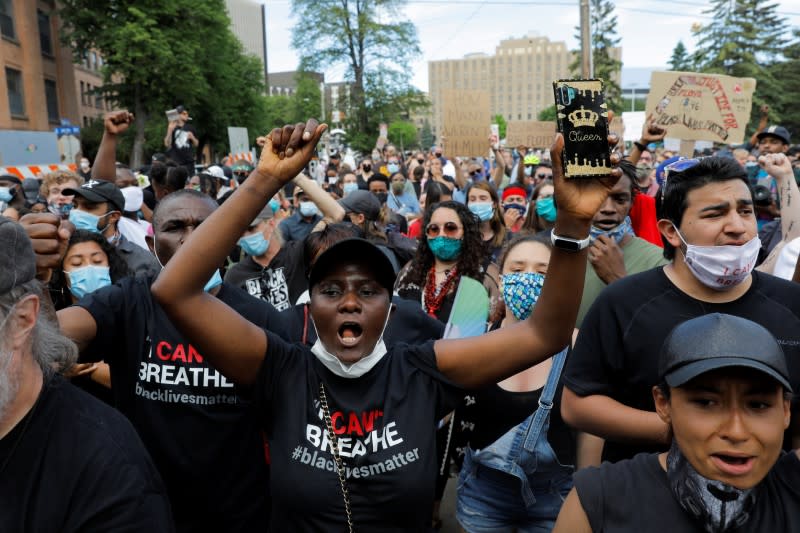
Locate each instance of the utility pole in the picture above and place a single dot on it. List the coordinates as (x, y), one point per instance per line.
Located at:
(587, 67)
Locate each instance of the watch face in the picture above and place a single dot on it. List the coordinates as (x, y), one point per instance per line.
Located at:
(570, 246)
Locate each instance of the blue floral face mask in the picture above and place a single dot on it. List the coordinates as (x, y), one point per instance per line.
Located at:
(254, 245)
(86, 280)
(445, 248)
(521, 291)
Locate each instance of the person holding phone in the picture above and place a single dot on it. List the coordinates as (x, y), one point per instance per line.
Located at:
(181, 140)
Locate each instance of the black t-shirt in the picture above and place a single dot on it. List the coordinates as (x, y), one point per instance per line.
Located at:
(75, 464)
(488, 414)
(385, 422)
(409, 324)
(616, 353)
(281, 283)
(182, 150)
(634, 495)
(204, 439)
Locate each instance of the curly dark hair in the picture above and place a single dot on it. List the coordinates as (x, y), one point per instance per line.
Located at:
(472, 248)
(118, 268)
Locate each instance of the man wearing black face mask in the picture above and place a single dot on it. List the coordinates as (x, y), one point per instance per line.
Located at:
(379, 186)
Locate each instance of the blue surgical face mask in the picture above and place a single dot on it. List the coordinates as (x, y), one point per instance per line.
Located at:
(275, 205)
(86, 280)
(618, 233)
(254, 245)
(308, 209)
(529, 171)
(521, 291)
(84, 220)
(392, 168)
(5, 194)
(482, 210)
(546, 208)
(215, 281)
(347, 188)
(445, 248)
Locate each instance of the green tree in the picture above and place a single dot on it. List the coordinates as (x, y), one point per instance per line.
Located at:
(426, 138)
(548, 114)
(403, 134)
(680, 60)
(744, 38)
(605, 49)
(371, 39)
(502, 125)
(307, 99)
(788, 72)
(158, 53)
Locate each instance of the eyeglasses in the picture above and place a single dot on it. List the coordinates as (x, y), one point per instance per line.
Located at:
(544, 176)
(677, 166)
(450, 229)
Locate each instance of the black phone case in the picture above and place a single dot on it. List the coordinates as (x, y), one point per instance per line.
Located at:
(582, 117)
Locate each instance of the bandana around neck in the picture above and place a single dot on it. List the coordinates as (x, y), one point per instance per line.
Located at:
(719, 507)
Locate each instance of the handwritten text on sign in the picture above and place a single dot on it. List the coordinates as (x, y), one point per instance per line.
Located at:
(530, 133)
(466, 122)
(706, 107)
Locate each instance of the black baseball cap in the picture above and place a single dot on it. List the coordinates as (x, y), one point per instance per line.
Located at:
(97, 192)
(776, 131)
(362, 202)
(347, 250)
(17, 260)
(715, 341)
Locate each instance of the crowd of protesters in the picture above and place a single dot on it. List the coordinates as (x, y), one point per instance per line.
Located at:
(264, 346)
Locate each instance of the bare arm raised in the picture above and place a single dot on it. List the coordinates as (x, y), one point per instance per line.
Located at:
(494, 356)
(234, 346)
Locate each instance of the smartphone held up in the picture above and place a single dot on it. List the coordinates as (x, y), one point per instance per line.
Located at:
(582, 118)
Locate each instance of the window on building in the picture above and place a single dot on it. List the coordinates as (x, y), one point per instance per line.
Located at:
(530, 116)
(93, 61)
(7, 19)
(85, 121)
(51, 97)
(98, 101)
(83, 93)
(45, 33)
(16, 97)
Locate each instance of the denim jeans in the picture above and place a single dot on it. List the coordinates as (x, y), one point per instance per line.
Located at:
(516, 483)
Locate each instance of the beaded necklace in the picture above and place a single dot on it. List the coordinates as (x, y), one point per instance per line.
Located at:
(432, 298)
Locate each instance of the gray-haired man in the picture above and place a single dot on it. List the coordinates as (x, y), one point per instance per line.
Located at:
(67, 461)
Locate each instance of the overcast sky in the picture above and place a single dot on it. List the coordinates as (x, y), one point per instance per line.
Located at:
(448, 30)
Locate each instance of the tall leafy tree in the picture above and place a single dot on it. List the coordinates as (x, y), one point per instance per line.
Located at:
(680, 60)
(743, 39)
(502, 125)
(307, 99)
(158, 53)
(788, 74)
(370, 38)
(605, 49)
(403, 134)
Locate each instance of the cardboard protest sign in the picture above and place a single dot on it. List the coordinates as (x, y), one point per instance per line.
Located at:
(693, 106)
(617, 127)
(466, 122)
(530, 133)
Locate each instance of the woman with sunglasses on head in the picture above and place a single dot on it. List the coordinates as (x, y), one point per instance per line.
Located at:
(724, 392)
(515, 443)
(350, 423)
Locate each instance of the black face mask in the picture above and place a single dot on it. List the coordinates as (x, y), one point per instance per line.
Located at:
(367, 168)
(420, 161)
(381, 196)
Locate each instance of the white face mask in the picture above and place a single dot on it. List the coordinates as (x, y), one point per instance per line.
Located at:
(360, 367)
(721, 267)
